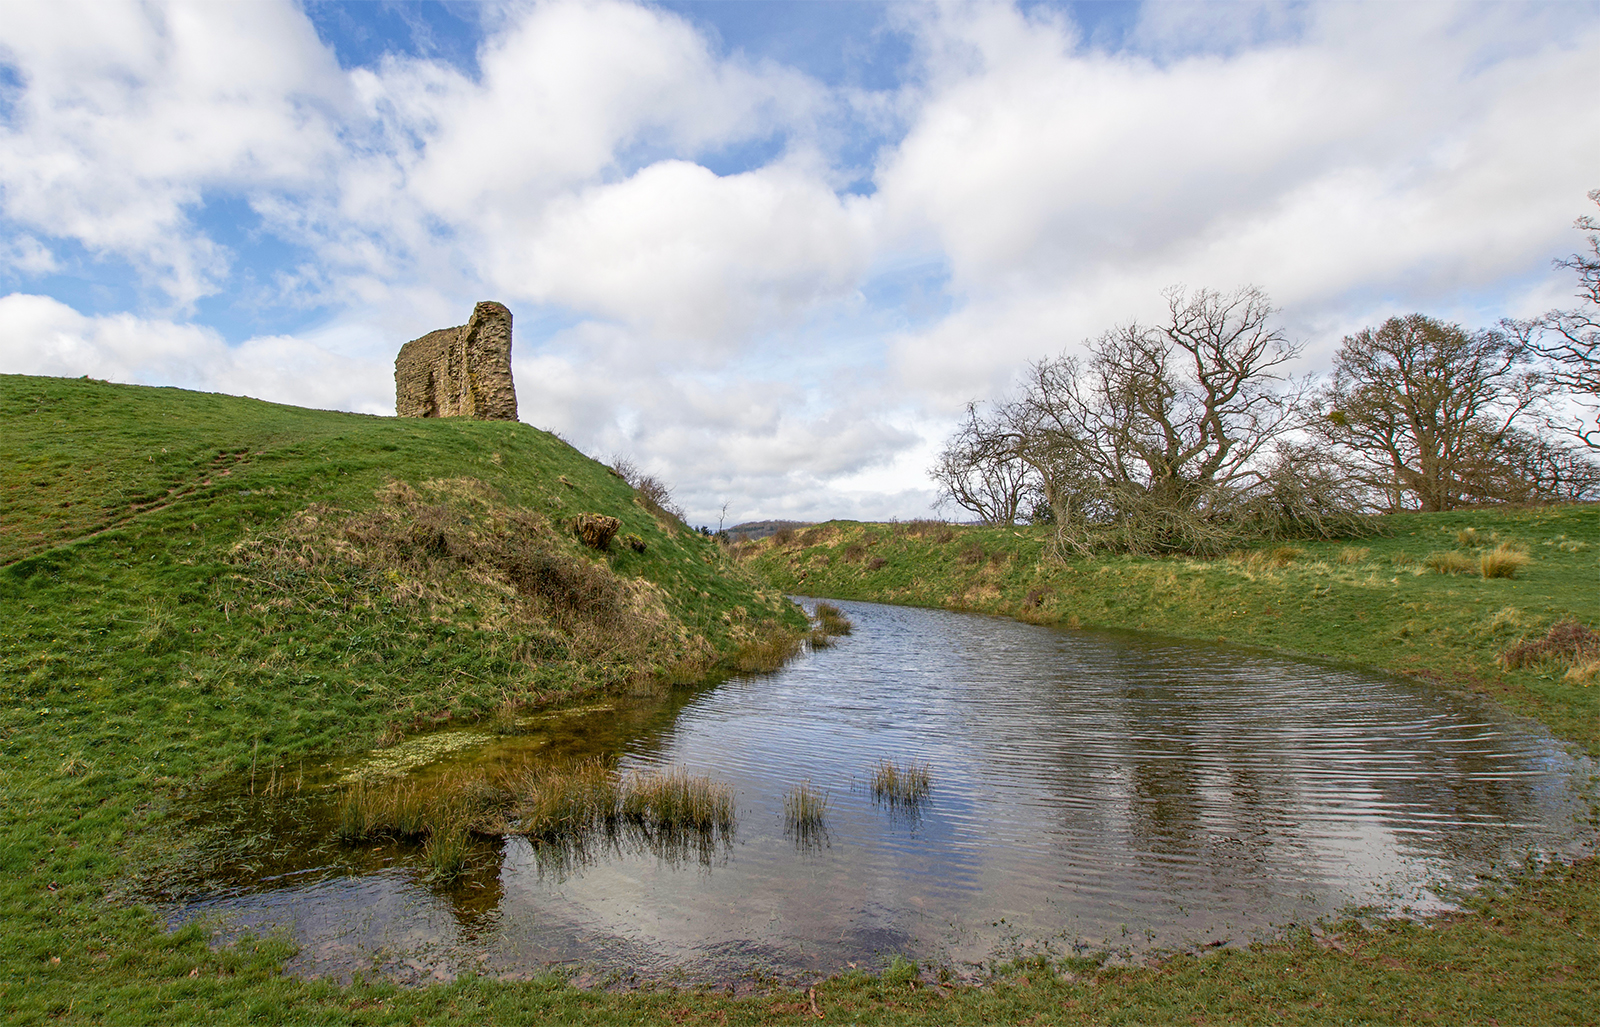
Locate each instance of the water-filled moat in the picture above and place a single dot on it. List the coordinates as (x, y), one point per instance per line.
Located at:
(1087, 792)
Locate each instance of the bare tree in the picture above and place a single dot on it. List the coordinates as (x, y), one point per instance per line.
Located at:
(1570, 339)
(980, 470)
(1162, 428)
(1426, 409)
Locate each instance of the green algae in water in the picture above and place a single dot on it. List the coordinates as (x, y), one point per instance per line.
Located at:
(413, 753)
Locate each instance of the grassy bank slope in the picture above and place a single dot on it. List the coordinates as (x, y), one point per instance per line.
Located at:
(1378, 602)
(196, 584)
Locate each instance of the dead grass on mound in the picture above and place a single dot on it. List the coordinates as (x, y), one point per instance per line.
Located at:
(1567, 641)
(454, 545)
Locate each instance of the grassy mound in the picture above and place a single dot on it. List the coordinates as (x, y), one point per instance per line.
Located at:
(197, 584)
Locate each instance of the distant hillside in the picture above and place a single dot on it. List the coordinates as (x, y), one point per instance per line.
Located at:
(752, 531)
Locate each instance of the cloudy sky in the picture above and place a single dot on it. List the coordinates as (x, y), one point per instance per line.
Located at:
(765, 250)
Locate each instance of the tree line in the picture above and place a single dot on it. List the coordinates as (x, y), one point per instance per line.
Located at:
(1190, 435)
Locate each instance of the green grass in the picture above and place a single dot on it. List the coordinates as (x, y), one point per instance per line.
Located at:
(144, 653)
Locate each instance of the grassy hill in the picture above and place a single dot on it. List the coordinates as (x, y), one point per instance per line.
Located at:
(195, 584)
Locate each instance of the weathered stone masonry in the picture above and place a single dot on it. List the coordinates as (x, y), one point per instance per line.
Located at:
(459, 372)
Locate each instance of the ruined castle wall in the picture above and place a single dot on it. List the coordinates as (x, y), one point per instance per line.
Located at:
(459, 372)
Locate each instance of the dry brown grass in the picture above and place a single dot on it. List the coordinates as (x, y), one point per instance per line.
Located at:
(1450, 562)
(1567, 640)
(1503, 561)
(455, 542)
(1350, 555)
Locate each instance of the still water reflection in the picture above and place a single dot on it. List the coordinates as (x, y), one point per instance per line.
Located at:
(1090, 791)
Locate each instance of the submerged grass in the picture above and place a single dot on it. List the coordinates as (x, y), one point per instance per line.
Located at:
(907, 785)
(675, 800)
(804, 808)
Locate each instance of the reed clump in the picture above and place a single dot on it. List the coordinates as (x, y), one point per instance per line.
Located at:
(563, 800)
(766, 652)
(804, 808)
(677, 801)
(1503, 561)
(908, 785)
(830, 623)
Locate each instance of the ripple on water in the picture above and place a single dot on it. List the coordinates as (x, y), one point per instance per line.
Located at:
(1089, 790)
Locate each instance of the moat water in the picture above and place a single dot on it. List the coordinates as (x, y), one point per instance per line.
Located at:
(1091, 792)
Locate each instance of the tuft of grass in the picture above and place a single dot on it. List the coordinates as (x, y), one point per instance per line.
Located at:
(831, 622)
(804, 808)
(1276, 558)
(1467, 537)
(1503, 561)
(902, 786)
(1450, 562)
(1584, 672)
(445, 852)
(564, 799)
(766, 652)
(1349, 555)
(675, 800)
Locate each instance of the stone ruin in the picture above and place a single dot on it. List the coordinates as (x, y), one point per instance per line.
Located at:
(459, 372)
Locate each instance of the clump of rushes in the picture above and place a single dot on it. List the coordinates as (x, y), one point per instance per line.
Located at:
(1450, 562)
(675, 801)
(896, 785)
(384, 811)
(1503, 561)
(1354, 554)
(554, 802)
(830, 622)
(766, 652)
(804, 808)
(445, 852)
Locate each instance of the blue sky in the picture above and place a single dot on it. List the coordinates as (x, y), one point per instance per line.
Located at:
(767, 251)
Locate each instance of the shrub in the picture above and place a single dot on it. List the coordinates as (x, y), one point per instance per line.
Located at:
(634, 542)
(1503, 561)
(783, 536)
(877, 563)
(853, 552)
(972, 555)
